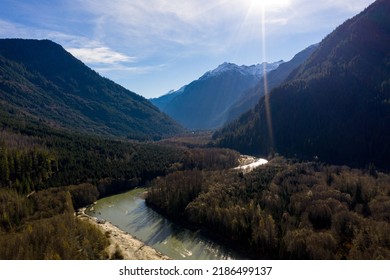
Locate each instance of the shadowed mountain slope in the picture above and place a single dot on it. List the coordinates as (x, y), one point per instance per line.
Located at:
(336, 106)
(41, 80)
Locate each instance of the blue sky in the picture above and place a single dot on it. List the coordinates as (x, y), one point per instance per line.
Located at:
(153, 46)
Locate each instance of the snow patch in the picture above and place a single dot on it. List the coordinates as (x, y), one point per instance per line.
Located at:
(253, 70)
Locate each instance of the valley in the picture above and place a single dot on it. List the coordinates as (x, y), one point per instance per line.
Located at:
(280, 160)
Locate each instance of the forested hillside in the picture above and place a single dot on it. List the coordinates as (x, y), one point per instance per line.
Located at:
(334, 107)
(284, 210)
(43, 227)
(42, 81)
(46, 173)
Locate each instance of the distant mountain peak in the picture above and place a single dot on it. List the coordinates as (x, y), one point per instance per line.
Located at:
(203, 103)
(252, 70)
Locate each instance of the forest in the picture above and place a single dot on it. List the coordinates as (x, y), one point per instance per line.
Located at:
(283, 210)
(43, 227)
(46, 174)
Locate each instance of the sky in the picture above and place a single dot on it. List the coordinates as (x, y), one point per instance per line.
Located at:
(154, 46)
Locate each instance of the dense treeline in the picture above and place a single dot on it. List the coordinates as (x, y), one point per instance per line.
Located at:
(25, 170)
(34, 156)
(284, 210)
(46, 173)
(43, 226)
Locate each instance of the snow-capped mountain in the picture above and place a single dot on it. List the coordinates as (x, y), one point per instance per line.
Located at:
(274, 78)
(253, 70)
(202, 103)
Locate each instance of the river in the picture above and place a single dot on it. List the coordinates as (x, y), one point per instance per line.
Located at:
(129, 212)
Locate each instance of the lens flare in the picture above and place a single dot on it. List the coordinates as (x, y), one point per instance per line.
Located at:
(266, 91)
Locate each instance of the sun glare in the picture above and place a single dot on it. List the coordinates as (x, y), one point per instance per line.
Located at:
(261, 8)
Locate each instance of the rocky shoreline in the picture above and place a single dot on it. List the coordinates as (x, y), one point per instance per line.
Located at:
(122, 244)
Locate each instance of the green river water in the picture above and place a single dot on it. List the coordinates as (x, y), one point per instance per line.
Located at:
(129, 212)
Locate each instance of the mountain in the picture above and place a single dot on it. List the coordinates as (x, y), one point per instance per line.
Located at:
(162, 101)
(200, 104)
(335, 107)
(40, 80)
(274, 78)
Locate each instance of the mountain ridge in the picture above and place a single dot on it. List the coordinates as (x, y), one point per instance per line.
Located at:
(42, 80)
(274, 78)
(199, 104)
(254, 70)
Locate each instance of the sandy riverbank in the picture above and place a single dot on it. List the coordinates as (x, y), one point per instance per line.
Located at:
(121, 243)
(248, 163)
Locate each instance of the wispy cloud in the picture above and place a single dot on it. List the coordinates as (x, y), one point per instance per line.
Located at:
(100, 55)
(202, 25)
(160, 26)
(130, 69)
(14, 30)
(147, 36)
(17, 30)
(176, 27)
(89, 51)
